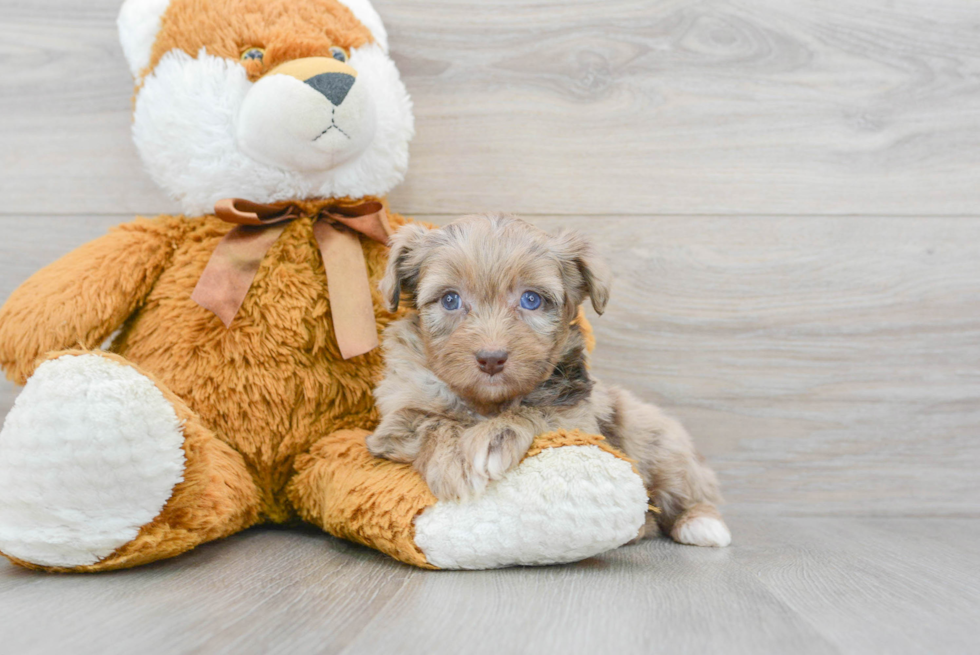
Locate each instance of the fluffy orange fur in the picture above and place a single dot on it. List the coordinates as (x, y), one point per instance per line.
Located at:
(269, 387)
(216, 498)
(226, 28)
(374, 501)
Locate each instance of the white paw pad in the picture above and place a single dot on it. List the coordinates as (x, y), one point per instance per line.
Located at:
(562, 505)
(703, 531)
(90, 452)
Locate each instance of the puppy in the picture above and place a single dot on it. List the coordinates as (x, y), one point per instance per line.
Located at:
(492, 356)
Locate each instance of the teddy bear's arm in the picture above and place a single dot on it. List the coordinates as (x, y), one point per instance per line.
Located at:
(79, 300)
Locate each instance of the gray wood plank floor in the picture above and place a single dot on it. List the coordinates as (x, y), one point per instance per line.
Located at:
(787, 585)
(788, 194)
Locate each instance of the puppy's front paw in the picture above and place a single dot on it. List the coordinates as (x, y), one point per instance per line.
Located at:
(395, 438)
(495, 447)
(451, 476)
(376, 443)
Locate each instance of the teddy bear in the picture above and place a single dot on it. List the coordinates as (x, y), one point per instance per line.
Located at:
(187, 377)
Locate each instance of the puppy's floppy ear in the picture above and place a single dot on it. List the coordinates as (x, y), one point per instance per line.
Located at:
(583, 272)
(404, 264)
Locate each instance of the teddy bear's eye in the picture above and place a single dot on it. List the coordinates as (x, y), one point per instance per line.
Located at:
(338, 53)
(255, 54)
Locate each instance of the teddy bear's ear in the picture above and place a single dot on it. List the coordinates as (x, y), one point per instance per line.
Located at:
(365, 12)
(139, 22)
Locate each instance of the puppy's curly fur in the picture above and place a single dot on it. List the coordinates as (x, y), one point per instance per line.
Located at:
(463, 422)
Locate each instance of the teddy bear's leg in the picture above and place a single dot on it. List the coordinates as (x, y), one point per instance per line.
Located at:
(102, 468)
(572, 497)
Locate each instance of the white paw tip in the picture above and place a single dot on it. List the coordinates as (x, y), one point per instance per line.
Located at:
(703, 531)
(90, 452)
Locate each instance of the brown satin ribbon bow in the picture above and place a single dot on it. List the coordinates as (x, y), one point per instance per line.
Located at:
(235, 261)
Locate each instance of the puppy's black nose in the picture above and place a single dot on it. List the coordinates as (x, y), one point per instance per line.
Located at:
(491, 361)
(333, 86)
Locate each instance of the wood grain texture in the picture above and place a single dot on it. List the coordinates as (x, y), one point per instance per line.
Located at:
(861, 586)
(584, 107)
(654, 597)
(65, 92)
(874, 585)
(787, 585)
(263, 592)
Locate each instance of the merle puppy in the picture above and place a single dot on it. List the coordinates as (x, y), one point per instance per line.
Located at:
(492, 356)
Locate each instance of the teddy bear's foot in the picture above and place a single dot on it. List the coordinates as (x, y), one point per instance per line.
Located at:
(92, 457)
(571, 497)
(562, 505)
(90, 453)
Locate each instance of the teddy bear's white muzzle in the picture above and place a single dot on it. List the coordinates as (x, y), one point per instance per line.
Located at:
(306, 126)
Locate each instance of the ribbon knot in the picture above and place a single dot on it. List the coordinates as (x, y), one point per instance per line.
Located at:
(232, 267)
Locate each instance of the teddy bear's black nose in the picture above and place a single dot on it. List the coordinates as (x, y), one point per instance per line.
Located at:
(333, 86)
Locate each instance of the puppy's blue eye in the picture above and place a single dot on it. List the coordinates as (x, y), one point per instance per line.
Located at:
(451, 301)
(338, 53)
(530, 300)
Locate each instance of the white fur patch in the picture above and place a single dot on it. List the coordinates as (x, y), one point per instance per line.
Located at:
(703, 531)
(90, 452)
(365, 12)
(562, 505)
(185, 125)
(139, 23)
(285, 123)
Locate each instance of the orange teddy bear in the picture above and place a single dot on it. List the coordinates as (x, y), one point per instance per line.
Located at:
(238, 386)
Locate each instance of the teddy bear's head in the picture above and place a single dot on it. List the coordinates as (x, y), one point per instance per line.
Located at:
(265, 99)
